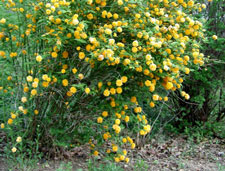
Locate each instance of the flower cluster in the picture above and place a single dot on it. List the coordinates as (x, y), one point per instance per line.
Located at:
(105, 58)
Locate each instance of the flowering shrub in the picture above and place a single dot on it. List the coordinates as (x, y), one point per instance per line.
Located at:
(83, 70)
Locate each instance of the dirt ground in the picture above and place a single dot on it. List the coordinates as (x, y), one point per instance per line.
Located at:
(173, 154)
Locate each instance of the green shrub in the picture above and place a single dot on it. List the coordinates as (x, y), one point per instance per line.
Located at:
(81, 71)
(206, 84)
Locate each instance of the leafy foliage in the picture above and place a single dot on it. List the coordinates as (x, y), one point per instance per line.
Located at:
(82, 71)
(206, 84)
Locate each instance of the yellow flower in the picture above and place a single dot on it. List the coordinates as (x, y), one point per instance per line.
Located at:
(36, 80)
(119, 29)
(119, 83)
(135, 43)
(104, 113)
(54, 79)
(155, 97)
(3, 21)
(142, 132)
(147, 83)
(191, 3)
(65, 82)
(81, 76)
(106, 93)
(105, 136)
(89, 2)
(100, 58)
(117, 128)
(120, 2)
(87, 90)
(36, 112)
(117, 159)
(169, 85)
(63, 71)
(126, 61)
(77, 34)
(100, 84)
(187, 97)
(183, 93)
(122, 157)
(125, 152)
(152, 104)
(2, 125)
(127, 118)
(14, 149)
(2, 53)
(147, 128)
(18, 139)
(69, 35)
(165, 99)
(195, 54)
(33, 92)
(130, 140)
(124, 140)
(115, 148)
(115, 16)
(29, 78)
(119, 90)
(133, 145)
(112, 91)
(111, 41)
(100, 120)
(73, 90)
(95, 153)
(127, 160)
(90, 16)
(57, 21)
(186, 58)
(134, 49)
(10, 121)
(148, 57)
(125, 107)
(54, 54)
(25, 111)
(20, 108)
(137, 109)
(133, 99)
(13, 54)
(118, 115)
(9, 78)
(45, 77)
(81, 55)
(108, 31)
(24, 99)
(187, 70)
(152, 67)
(137, 16)
(124, 79)
(48, 11)
(117, 121)
(35, 84)
(74, 70)
(65, 53)
(214, 37)
(68, 93)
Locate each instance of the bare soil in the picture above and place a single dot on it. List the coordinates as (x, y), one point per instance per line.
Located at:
(173, 154)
